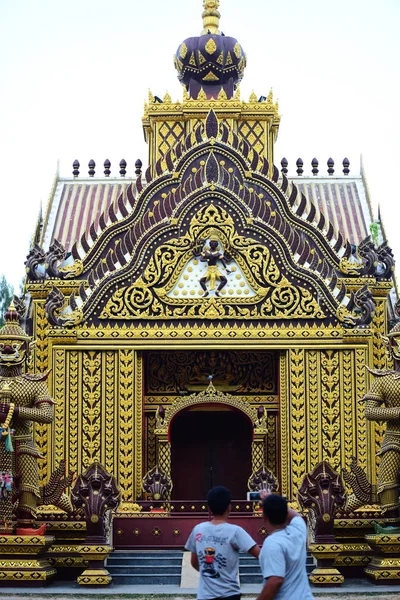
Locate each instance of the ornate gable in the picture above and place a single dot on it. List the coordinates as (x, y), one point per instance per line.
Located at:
(278, 262)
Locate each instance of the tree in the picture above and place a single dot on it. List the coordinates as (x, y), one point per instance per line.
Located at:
(6, 295)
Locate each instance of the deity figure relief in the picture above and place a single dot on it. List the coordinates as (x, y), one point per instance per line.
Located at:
(24, 400)
(383, 404)
(212, 256)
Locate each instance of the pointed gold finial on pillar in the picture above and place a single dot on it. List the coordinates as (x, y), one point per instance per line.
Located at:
(211, 17)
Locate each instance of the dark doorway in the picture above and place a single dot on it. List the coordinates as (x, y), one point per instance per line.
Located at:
(208, 448)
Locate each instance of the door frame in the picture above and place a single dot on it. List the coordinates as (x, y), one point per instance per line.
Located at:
(210, 396)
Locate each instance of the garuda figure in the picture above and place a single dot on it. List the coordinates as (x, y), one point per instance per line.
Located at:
(383, 404)
(212, 256)
(25, 399)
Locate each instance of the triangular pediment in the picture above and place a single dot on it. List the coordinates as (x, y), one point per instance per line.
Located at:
(280, 261)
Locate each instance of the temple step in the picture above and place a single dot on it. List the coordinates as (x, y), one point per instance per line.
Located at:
(164, 567)
(250, 572)
(145, 567)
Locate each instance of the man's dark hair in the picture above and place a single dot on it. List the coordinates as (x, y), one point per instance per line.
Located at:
(275, 509)
(219, 498)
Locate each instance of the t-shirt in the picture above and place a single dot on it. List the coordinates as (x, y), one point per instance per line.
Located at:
(217, 548)
(284, 555)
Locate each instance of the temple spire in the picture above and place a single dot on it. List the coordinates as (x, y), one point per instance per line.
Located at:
(211, 17)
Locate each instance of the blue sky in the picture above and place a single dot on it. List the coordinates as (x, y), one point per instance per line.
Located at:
(74, 75)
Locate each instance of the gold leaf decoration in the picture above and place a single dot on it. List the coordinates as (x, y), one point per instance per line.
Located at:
(237, 50)
(210, 77)
(210, 46)
(192, 60)
(183, 50)
(202, 60)
(229, 60)
(220, 59)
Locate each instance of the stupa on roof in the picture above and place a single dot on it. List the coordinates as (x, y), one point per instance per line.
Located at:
(210, 263)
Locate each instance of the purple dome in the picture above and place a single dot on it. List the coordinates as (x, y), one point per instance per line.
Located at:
(210, 61)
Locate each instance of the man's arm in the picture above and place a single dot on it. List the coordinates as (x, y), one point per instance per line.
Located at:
(291, 515)
(271, 588)
(255, 551)
(194, 561)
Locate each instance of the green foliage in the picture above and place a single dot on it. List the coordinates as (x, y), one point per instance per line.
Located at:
(374, 229)
(6, 295)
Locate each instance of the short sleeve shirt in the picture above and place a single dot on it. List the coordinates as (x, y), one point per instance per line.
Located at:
(284, 555)
(217, 548)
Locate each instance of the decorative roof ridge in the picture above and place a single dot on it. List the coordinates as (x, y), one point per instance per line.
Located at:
(50, 200)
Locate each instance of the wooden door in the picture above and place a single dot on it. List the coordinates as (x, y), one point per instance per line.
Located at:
(209, 448)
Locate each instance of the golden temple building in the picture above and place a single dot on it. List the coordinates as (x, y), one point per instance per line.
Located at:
(211, 316)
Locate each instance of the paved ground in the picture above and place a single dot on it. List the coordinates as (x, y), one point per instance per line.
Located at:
(354, 590)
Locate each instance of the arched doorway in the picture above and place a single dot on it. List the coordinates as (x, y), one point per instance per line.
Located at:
(210, 445)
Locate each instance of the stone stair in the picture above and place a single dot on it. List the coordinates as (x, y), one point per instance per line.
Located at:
(250, 572)
(164, 567)
(158, 567)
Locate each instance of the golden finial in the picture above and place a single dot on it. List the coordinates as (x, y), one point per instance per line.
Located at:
(211, 17)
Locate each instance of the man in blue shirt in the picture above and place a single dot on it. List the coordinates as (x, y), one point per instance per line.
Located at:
(283, 555)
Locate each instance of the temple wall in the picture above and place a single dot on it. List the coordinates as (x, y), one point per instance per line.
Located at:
(100, 413)
(322, 417)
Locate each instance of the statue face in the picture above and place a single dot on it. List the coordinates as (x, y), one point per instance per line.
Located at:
(12, 352)
(213, 244)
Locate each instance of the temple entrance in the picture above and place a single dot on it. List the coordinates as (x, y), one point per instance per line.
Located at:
(210, 446)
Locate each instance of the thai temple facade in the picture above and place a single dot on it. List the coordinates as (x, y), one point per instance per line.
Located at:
(210, 321)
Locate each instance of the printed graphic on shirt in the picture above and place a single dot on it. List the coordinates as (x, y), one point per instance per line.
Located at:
(210, 562)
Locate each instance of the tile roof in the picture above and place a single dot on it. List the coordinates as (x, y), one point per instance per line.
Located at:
(77, 204)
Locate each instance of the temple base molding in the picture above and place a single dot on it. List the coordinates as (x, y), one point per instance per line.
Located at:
(385, 564)
(325, 574)
(95, 574)
(22, 562)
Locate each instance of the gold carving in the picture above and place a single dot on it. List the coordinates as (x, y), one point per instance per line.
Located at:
(275, 297)
(210, 47)
(210, 77)
(238, 372)
(210, 395)
(237, 50)
(183, 50)
(126, 420)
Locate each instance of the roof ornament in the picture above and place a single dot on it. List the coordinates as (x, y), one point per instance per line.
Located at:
(299, 164)
(284, 165)
(107, 169)
(122, 167)
(76, 166)
(211, 16)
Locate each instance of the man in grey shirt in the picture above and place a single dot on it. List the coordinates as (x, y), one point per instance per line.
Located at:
(283, 555)
(215, 547)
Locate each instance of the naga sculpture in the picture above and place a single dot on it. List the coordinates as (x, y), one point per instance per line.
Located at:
(97, 492)
(366, 250)
(386, 263)
(383, 404)
(263, 479)
(363, 492)
(322, 493)
(362, 306)
(35, 258)
(25, 399)
(55, 255)
(157, 484)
